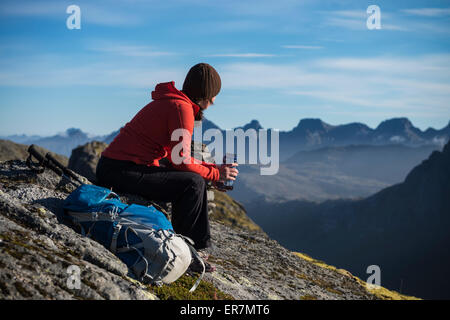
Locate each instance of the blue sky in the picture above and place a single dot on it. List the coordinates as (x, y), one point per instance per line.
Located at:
(280, 61)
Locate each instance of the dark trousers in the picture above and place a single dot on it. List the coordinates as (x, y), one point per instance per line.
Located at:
(185, 190)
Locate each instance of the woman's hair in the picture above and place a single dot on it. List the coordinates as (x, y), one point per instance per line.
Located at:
(202, 82)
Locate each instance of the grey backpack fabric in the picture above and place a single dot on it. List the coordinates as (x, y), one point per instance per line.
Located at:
(166, 256)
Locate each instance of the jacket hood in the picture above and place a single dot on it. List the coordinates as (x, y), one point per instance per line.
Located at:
(167, 90)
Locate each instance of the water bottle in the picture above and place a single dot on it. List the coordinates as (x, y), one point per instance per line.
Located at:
(229, 158)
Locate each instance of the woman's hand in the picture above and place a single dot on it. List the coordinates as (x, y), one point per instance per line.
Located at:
(228, 172)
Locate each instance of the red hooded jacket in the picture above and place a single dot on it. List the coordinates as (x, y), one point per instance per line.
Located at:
(147, 137)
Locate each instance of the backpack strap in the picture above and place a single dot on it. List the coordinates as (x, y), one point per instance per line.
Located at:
(113, 246)
(143, 275)
(197, 256)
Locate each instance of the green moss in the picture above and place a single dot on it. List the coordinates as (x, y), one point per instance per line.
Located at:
(308, 297)
(17, 239)
(232, 262)
(379, 292)
(214, 260)
(319, 263)
(40, 211)
(302, 276)
(385, 294)
(332, 290)
(179, 290)
(68, 251)
(12, 181)
(320, 283)
(231, 213)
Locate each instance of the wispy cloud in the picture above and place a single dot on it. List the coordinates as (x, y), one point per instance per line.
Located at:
(106, 14)
(386, 83)
(302, 47)
(428, 12)
(47, 70)
(353, 14)
(111, 16)
(223, 26)
(131, 50)
(241, 55)
(254, 7)
(348, 19)
(429, 65)
(401, 84)
(32, 8)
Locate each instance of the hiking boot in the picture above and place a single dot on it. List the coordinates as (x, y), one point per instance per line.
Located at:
(203, 254)
(196, 266)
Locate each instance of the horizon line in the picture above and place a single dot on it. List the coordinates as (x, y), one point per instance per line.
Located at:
(93, 135)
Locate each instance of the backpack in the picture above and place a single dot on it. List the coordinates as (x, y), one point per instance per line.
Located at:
(142, 237)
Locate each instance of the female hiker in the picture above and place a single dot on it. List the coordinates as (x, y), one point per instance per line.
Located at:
(131, 162)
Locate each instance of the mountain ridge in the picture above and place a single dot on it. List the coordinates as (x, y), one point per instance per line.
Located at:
(309, 133)
(402, 228)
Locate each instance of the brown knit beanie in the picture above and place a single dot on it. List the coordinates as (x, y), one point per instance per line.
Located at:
(202, 83)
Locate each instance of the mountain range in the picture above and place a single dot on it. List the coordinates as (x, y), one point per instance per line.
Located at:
(318, 161)
(332, 172)
(403, 229)
(312, 133)
(307, 135)
(61, 143)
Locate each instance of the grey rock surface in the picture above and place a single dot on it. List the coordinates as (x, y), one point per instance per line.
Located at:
(250, 265)
(37, 248)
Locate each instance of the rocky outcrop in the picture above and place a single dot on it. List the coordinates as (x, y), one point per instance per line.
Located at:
(83, 159)
(11, 151)
(37, 248)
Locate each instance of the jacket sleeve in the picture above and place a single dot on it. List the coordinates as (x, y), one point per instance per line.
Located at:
(181, 126)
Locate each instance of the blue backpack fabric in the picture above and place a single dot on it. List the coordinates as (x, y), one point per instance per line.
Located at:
(142, 237)
(92, 198)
